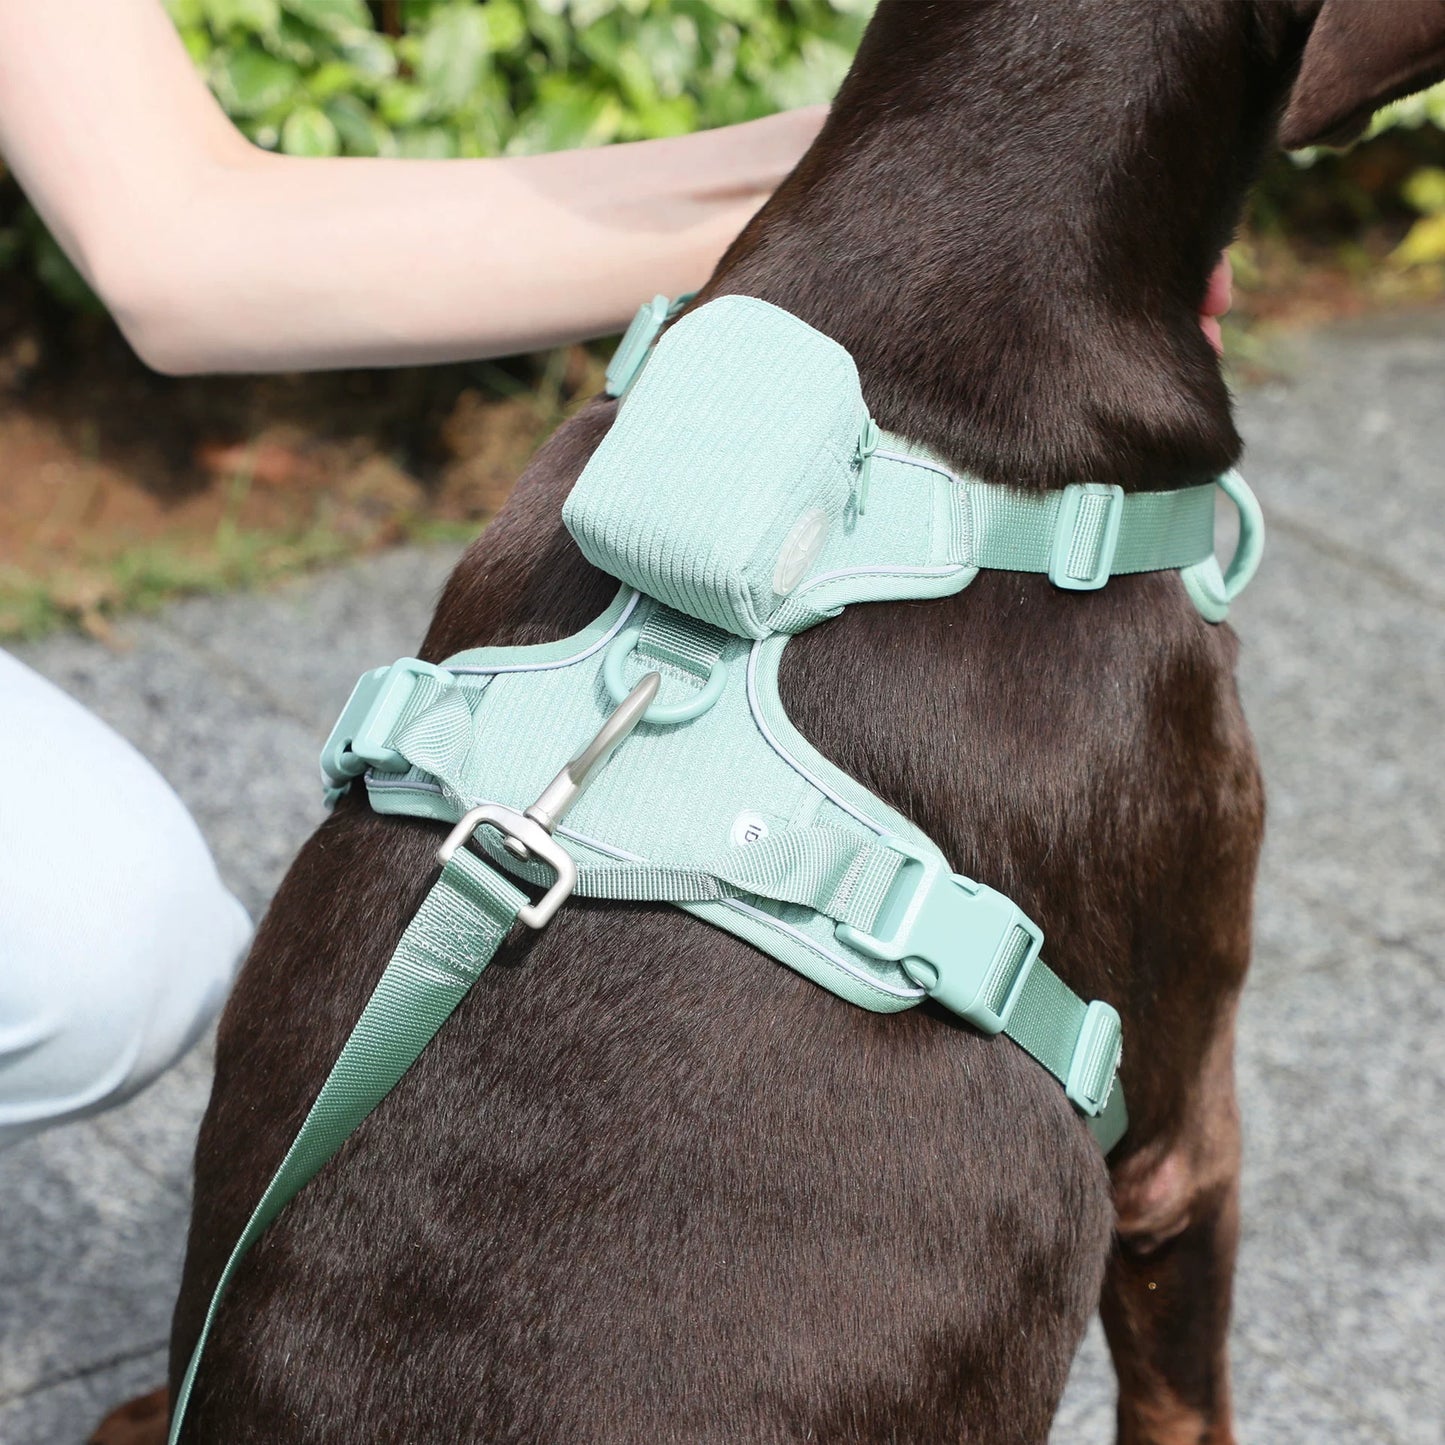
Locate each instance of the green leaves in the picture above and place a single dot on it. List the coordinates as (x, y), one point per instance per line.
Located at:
(335, 17)
(1424, 243)
(317, 78)
(257, 17)
(250, 83)
(360, 132)
(492, 77)
(1426, 108)
(451, 55)
(1425, 191)
(568, 114)
(310, 132)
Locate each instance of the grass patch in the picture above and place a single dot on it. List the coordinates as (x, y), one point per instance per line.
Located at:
(143, 577)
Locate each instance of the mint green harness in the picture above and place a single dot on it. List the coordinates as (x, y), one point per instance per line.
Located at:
(742, 494)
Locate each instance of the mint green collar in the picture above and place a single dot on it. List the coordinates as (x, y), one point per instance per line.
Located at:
(697, 504)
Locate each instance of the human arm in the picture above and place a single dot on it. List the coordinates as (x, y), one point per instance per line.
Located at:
(214, 255)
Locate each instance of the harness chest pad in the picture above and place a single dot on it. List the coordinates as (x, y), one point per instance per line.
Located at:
(742, 494)
(715, 499)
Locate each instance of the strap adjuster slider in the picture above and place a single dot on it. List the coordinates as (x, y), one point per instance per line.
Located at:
(1086, 536)
(516, 827)
(1095, 1062)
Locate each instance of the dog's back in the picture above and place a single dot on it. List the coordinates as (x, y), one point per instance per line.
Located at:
(647, 1186)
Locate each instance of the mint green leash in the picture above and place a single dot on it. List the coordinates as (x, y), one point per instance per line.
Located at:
(455, 933)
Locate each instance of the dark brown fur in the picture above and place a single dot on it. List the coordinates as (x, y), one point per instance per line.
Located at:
(649, 1185)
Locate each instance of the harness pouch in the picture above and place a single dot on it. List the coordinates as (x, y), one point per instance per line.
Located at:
(732, 459)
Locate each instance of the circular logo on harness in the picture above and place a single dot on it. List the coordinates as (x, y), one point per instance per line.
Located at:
(800, 550)
(749, 828)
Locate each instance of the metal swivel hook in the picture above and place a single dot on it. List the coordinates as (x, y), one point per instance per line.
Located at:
(568, 785)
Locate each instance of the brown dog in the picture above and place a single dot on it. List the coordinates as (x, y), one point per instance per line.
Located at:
(648, 1185)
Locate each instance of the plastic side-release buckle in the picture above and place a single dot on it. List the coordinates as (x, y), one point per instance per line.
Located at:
(965, 943)
(1086, 536)
(1095, 1062)
(357, 742)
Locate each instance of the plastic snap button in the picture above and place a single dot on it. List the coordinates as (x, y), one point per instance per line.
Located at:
(800, 550)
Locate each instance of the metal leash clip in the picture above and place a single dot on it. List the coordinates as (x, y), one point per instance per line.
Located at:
(528, 835)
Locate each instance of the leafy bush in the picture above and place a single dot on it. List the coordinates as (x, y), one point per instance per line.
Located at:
(441, 78)
(1390, 184)
(457, 78)
(1422, 117)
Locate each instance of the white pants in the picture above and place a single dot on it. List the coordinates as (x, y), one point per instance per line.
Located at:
(118, 940)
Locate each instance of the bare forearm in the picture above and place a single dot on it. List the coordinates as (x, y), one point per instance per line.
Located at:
(214, 255)
(278, 262)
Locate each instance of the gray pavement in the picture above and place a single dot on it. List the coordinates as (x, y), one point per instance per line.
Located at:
(1340, 1317)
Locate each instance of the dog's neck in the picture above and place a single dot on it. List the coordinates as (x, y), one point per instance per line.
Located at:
(1009, 220)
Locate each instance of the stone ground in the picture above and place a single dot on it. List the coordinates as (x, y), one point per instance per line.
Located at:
(1340, 1319)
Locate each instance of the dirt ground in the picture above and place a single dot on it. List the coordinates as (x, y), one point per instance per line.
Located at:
(121, 487)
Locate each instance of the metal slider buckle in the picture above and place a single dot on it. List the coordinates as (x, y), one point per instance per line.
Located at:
(518, 828)
(966, 944)
(528, 835)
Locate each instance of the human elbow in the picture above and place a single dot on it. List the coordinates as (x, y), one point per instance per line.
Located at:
(155, 299)
(153, 323)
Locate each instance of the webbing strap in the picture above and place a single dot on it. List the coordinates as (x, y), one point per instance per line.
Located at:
(437, 731)
(1157, 531)
(682, 642)
(1048, 1023)
(841, 875)
(849, 878)
(453, 937)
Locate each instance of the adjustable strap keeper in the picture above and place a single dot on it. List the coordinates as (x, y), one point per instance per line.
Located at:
(1086, 536)
(636, 344)
(1088, 532)
(636, 341)
(1095, 1059)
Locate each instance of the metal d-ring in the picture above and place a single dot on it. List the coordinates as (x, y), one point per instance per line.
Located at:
(659, 712)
